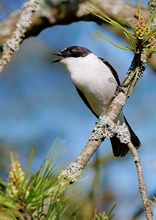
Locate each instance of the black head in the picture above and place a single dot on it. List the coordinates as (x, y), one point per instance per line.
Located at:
(73, 51)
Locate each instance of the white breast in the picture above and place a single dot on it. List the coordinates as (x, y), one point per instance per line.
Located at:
(94, 79)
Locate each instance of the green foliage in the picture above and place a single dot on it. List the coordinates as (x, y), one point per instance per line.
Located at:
(41, 196)
(104, 216)
(8, 208)
(140, 37)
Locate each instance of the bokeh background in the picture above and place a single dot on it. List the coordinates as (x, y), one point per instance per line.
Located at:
(39, 103)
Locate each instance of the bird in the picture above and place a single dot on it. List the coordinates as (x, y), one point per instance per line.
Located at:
(96, 82)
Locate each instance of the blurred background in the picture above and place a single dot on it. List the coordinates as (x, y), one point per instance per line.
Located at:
(39, 103)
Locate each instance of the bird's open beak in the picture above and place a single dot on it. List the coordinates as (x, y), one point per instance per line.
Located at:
(57, 54)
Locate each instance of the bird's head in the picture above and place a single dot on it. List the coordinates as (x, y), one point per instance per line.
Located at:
(72, 52)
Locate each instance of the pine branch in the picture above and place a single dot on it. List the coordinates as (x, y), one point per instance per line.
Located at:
(40, 196)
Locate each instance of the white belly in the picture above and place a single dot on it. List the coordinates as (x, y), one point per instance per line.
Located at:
(94, 79)
(98, 94)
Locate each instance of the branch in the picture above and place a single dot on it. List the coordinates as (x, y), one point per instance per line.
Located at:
(75, 169)
(24, 24)
(142, 185)
(24, 21)
(53, 13)
(107, 126)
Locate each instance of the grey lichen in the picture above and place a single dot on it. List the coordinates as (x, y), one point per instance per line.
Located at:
(72, 172)
(106, 128)
(23, 23)
(122, 133)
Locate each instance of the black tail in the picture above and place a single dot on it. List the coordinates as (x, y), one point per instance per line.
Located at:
(120, 149)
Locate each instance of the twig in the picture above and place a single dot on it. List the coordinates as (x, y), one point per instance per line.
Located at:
(23, 23)
(142, 186)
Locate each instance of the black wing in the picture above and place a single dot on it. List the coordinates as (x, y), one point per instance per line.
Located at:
(112, 70)
(83, 96)
(85, 100)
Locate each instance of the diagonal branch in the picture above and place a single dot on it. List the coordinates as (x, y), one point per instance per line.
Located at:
(142, 186)
(75, 169)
